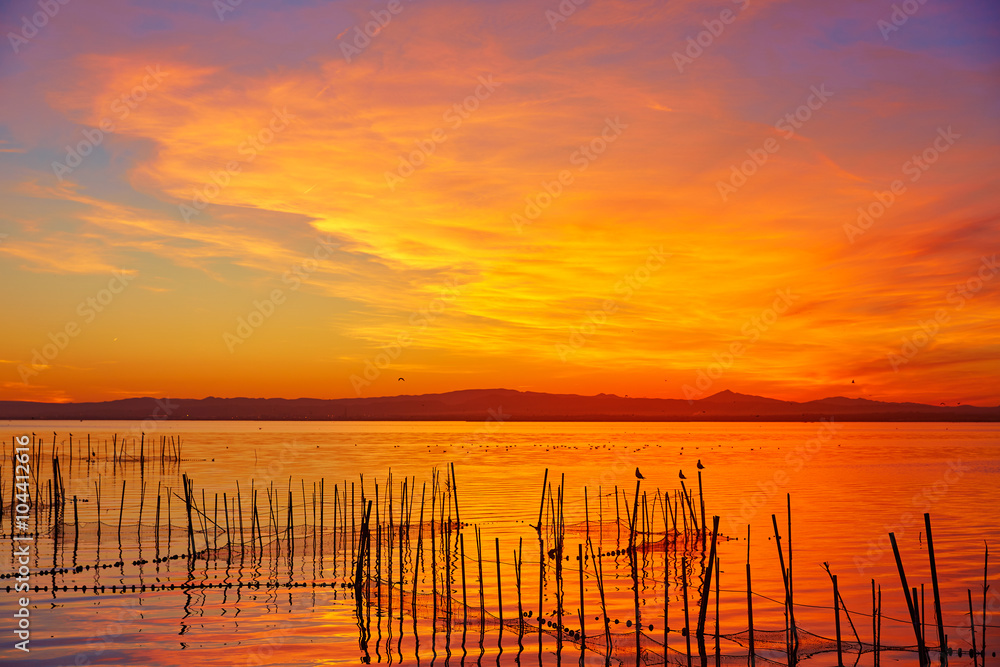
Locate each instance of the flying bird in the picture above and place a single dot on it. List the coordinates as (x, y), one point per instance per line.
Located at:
(401, 380)
(638, 474)
(852, 381)
(682, 475)
(700, 466)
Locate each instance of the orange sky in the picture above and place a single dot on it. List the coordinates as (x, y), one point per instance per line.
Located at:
(649, 270)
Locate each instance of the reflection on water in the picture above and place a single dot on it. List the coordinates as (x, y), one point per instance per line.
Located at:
(303, 543)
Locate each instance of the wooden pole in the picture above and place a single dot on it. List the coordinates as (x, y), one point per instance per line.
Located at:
(499, 589)
(914, 618)
(972, 626)
(687, 620)
(753, 657)
(836, 617)
(703, 609)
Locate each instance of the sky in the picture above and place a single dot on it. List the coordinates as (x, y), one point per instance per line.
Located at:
(794, 199)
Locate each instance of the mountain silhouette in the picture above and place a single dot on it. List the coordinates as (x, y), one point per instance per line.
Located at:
(501, 405)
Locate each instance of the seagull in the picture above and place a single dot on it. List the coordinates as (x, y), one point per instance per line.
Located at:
(682, 475)
(401, 380)
(638, 474)
(700, 466)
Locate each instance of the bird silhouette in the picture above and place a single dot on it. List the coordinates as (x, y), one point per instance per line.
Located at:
(638, 474)
(401, 380)
(700, 466)
(682, 475)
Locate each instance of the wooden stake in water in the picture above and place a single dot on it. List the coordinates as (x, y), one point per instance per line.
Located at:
(583, 610)
(517, 581)
(789, 611)
(836, 618)
(499, 590)
(914, 617)
(703, 609)
(753, 657)
(875, 631)
(982, 634)
(718, 653)
(972, 626)
(687, 618)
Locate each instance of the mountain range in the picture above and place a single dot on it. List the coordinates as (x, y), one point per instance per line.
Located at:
(500, 405)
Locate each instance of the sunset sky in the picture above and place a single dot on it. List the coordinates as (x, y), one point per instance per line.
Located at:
(259, 199)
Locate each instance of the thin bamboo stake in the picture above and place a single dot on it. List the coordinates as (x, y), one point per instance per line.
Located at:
(753, 657)
(836, 617)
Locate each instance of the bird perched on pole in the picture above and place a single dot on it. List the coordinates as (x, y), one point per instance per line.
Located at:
(682, 475)
(700, 466)
(638, 474)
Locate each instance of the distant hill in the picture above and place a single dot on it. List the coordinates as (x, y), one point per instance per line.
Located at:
(503, 404)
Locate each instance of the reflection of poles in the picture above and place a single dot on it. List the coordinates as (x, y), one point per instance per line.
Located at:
(465, 601)
(363, 543)
(666, 578)
(604, 607)
(687, 619)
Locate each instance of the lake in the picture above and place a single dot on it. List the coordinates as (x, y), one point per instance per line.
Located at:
(282, 593)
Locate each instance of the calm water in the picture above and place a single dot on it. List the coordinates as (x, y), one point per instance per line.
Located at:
(850, 484)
